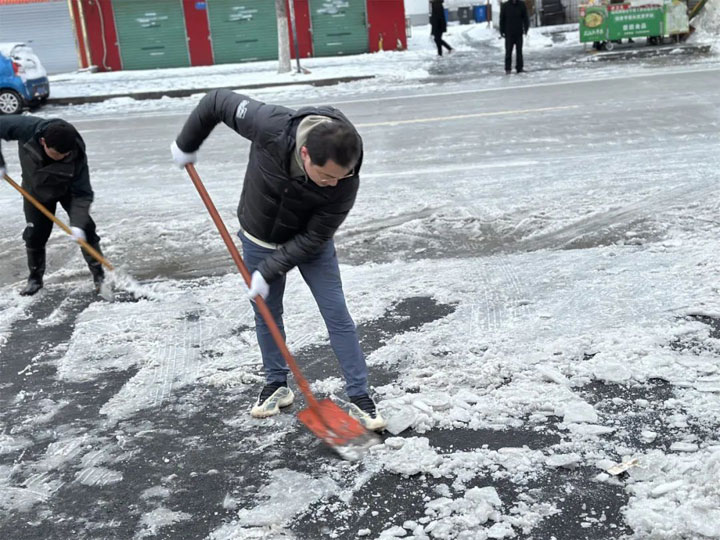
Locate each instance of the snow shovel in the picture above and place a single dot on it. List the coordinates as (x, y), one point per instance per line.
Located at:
(324, 418)
(87, 247)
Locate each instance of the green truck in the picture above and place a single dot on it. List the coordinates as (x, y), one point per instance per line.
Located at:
(603, 24)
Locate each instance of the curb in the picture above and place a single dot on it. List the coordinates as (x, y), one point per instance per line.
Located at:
(644, 52)
(185, 92)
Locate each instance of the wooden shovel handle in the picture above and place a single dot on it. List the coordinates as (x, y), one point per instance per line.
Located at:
(262, 306)
(87, 247)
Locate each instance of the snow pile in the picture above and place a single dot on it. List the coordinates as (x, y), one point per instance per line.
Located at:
(154, 521)
(288, 493)
(537, 38)
(707, 23)
(411, 456)
(11, 310)
(467, 515)
(676, 496)
(499, 381)
(391, 66)
(460, 511)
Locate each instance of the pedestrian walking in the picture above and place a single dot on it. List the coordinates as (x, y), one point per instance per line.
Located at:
(300, 184)
(514, 24)
(438, 25)
(54, 171)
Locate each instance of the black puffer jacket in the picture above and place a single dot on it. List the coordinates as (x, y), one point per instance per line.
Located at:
(45, 179)
(514, 20)
(294, 213)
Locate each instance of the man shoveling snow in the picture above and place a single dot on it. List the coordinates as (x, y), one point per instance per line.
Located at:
(300, 184)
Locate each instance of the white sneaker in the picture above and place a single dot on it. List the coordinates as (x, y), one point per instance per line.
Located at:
(363, 409)
(271, 399)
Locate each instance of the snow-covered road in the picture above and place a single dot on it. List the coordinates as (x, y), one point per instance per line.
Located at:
(533, 267)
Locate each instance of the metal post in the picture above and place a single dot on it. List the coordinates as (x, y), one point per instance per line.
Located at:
(284, 65)
(291, 3)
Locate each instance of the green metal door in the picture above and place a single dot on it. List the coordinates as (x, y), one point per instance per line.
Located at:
(151, 34)
(338, 27)
(243, 30)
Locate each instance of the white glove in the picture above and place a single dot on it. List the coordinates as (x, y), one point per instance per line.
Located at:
(78, 234)
(3, 172)
(258, 286)
(182, 158)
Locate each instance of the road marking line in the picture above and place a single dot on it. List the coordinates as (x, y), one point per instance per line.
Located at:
(463, 116)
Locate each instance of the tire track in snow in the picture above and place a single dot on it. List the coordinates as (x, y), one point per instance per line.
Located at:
(176, 359)
(504, 297)
(180, 353)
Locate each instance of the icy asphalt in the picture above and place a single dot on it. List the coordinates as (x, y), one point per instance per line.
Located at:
(532, 264)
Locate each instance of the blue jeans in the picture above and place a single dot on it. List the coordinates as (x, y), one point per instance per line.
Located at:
(322, 275)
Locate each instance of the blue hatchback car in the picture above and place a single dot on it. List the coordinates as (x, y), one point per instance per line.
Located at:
(23, 79)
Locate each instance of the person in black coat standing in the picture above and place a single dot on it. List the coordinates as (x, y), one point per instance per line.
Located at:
(514, 23)
(438, 25)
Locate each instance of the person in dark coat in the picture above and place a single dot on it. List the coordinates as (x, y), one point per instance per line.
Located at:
(54, 170)
(438, 25)
(514, 24)
(300, 184)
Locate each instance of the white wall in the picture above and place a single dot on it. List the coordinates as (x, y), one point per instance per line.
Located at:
(47, 28)
(454, 4)
(418, 10)
(416, 7)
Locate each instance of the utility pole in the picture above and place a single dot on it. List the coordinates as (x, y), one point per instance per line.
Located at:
(283, 38)
(291, 3)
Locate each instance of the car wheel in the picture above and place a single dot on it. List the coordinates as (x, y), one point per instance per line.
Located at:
(10, 102)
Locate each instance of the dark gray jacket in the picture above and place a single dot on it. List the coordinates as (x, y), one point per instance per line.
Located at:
(45, 179)
(294, 213)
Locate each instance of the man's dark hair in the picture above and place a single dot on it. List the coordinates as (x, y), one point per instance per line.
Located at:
(60, 136)
(336, 141)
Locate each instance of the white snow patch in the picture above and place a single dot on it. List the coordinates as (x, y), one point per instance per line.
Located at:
(12, 308)
(411, 456)
(675, 496)
(153, 522)
(98, 476)
(580, 412)
(568, 461)
(288, 493)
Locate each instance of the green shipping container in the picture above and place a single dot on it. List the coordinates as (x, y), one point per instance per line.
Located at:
(243, 30)
(338, 27)
(151, 34)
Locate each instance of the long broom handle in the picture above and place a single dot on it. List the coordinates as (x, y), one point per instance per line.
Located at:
(261, 304)
(87, 247)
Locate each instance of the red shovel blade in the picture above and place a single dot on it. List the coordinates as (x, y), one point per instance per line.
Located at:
(338, 429)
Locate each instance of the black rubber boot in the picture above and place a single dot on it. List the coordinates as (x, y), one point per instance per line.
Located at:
(36, 265)
(96, 268)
